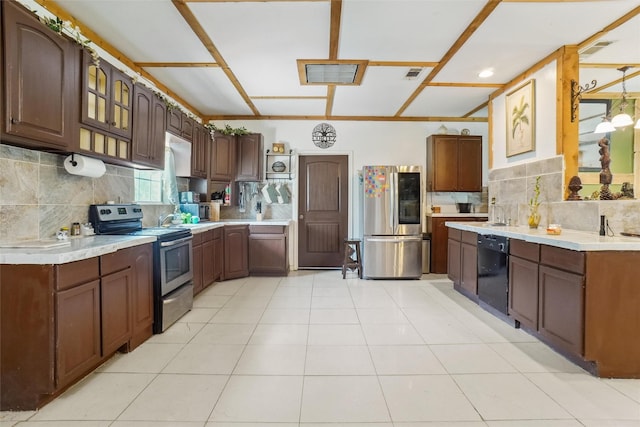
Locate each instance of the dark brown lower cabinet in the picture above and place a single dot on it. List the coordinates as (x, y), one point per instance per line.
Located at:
(197, 265)
(469, 267)
(462, 261)
(236, 253)
(561, 309)
(523, 291)
(453, 257)
(208, 254)
(268, 250)
(77, 331)
(208, 258)
(218, 254)
(58, 322)
(117, 325)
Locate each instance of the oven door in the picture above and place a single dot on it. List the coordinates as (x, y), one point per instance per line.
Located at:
(176, 264)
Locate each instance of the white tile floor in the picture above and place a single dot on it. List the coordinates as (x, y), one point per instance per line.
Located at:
(313, 350)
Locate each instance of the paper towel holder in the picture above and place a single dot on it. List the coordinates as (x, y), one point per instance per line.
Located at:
(73, 161)
(84, 166)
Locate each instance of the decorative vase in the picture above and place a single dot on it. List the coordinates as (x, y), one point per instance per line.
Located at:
(534, 219)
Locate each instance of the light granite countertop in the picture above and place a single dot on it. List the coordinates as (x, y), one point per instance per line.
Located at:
(88, 247)
(569, 239)
(205, 225)
(78, 249)
(458, 215)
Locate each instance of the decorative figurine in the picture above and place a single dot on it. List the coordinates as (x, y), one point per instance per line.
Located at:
(575, 185)
(605, 174)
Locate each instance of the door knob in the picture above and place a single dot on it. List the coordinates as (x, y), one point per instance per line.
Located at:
(301, 216)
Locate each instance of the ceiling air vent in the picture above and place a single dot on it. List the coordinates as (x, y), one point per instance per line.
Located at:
(413, 73)
(328, 72)
(590, 50)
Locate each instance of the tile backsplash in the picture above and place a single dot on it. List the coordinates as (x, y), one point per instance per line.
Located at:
(512, 188)
(38, 196)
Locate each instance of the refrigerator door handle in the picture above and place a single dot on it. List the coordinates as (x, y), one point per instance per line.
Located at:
(395, 239)
(392, 201)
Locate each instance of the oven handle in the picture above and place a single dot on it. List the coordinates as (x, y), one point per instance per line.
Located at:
(175, 242)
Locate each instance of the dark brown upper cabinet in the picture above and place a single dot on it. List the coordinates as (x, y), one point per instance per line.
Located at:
(107, 97)
(222, 158)
(249, 159)
(179, 124)
(40, 82)
(199, 154)
(149, 124)
(454, 163)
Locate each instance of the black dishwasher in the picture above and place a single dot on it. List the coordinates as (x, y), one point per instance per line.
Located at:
(493, 276)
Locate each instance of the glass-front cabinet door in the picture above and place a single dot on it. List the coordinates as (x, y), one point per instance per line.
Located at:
(122, 90)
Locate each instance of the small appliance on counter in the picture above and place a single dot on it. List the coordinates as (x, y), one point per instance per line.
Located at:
(189, 197)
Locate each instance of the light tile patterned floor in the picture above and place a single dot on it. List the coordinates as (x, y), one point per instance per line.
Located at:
(313, 350)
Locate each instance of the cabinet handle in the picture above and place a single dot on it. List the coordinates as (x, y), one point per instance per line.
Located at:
(14, 121)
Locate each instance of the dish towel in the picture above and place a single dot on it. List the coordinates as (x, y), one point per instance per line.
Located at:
(284, 193)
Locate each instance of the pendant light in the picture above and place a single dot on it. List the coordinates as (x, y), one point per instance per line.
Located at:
(622, 119)
(605, 126)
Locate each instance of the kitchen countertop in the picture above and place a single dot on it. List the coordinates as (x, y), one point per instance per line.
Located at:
(458, 215)
(79, 248)
(206, 225)
(569, 239)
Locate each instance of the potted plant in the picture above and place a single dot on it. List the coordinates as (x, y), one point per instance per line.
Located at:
(534, 204)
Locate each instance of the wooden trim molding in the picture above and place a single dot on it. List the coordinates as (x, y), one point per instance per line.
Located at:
(176, 64)
(352, 118)
(567, 130)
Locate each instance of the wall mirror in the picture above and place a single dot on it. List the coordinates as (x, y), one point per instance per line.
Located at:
(601, 61)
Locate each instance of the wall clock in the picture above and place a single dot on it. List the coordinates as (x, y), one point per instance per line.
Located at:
(323, 135)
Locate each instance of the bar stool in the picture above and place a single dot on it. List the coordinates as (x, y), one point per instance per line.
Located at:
(351, 248)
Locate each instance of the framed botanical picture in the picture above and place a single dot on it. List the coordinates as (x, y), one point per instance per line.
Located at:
(520, 110)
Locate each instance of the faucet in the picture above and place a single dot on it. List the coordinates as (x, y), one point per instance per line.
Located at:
(162, 219)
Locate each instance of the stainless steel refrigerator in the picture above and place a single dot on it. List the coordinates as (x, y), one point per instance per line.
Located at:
(392, 217)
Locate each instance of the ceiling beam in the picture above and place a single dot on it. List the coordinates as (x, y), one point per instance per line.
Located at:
(53, 7)
(352, 118)
(475, 110)
(192, 21)
(176, 64)
(615, 82)
(489, 85)
(615, 24)
(602, 65)
(288, 97)
(334, 30)
(457, 45)
(402, 64)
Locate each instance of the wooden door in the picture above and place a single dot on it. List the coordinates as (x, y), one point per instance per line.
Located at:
(323, 210)
(142, 261)
(523, 291)
(222, 158)
(236, 252)
(117, 323)
(199, 151)
(249, 165)
(469, 268)
(142, 146)
(445, 162)
(453, 261)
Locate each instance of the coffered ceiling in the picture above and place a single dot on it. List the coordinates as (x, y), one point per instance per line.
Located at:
(238, 59)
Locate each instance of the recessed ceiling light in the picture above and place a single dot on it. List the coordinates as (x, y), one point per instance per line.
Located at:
(485, 73)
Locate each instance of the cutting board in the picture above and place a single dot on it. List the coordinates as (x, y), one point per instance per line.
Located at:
(37, 244)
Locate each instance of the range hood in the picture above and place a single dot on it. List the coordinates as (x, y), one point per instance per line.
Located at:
(181, 149)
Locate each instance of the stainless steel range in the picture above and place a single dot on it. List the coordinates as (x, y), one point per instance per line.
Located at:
(172, 259)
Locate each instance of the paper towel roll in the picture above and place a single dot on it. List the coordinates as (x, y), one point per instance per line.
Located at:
(85, 166)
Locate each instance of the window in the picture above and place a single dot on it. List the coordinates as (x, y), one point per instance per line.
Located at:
(148, 185)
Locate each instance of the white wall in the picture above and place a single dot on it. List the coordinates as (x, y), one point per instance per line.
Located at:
(366, 143)
(545, 121)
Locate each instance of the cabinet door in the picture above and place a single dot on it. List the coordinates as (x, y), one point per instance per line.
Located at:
(197, 269)
(121, 102)
(523, 291)
(249, 164)
(561, 309)
(469, 268)
(445, 163)
(186, 130)
(174, 121)
(149, 124)
(40, 82)
(222, 158)
(469, 163)
(208, 267)
(236, 262)
(142, 261)
(453, 261)
(77, 331)
(268, 254)
(199, 151)
(218, 257)
(96, 93)
(439, 239)
(116, 293)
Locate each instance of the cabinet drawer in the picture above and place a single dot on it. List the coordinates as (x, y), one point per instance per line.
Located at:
(197, 239)
(207, 236)
(563, 259)
(469, 237)
(116, 261)
(526, 250)
(455, 234)
(75, 273)
(217, 232)
(266, 229)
